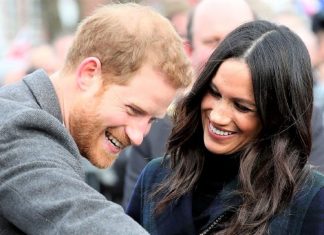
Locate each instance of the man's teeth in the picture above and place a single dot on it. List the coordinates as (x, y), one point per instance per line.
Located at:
(219, 132)
(114, 141)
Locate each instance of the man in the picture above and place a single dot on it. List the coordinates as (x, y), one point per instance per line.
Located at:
(124, 68)
(210, 22)
(317, 22)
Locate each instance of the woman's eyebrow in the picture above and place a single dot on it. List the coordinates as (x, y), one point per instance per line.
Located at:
(245, 101)
(237, 99)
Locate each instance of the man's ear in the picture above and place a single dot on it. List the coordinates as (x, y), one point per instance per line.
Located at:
(87, 71)
(187, 47)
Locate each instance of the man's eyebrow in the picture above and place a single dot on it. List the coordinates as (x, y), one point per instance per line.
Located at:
(141, 111)
(138, 109)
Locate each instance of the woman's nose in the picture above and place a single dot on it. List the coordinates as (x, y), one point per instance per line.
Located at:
(220, 114)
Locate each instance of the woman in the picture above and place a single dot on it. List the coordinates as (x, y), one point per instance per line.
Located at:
(237, 156)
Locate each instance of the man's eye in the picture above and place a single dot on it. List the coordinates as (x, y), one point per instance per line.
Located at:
(152, 120)
(132, 111)
(212, 42)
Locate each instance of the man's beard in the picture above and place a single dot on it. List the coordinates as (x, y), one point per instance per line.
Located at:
(87, 131)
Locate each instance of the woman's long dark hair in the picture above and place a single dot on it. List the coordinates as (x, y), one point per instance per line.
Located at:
(272, 168)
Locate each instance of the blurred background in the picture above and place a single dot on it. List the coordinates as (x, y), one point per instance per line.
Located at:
(26, 23)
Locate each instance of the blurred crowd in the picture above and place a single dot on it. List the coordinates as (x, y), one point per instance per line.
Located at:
(23, 53)
(306, 18)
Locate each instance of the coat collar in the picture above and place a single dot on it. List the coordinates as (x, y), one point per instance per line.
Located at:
(43, 90)
(226, 200)
(178, 219)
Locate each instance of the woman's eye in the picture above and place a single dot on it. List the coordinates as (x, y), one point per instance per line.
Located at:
(243, 108)
(214, 93)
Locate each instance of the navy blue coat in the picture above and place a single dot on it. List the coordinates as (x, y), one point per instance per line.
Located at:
(305, 215)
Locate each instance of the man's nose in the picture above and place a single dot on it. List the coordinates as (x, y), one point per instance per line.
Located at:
(137, 132)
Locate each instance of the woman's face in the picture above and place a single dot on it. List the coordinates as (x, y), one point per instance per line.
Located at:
(228, 110)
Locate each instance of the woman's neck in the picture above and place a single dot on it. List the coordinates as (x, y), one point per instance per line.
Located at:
(221, 167)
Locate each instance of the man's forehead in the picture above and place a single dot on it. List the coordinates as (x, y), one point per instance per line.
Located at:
(220, 12)
(151, 109)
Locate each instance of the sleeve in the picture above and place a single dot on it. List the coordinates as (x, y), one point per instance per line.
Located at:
(153, 146)
(134, 208)
(141, 204)
(42, 190)
(314, 218)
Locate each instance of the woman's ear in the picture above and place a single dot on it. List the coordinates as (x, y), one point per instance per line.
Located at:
(87, 71)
